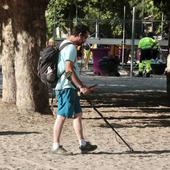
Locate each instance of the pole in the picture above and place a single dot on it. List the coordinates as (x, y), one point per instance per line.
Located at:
(133, 43)
(97, 29)
(123, 45)
(143, 10)
(76, 13)
(92, 105)
(162, 24)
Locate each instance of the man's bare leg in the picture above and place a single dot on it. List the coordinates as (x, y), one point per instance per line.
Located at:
(58, 126)
(84, 145)
(77, 124)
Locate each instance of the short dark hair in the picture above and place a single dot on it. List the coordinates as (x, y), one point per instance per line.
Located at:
(80, 28)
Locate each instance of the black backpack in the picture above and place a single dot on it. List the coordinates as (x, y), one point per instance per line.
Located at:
(48, 63)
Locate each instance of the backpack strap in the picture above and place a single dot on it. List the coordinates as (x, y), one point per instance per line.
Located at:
(64, 45)
(60, 48)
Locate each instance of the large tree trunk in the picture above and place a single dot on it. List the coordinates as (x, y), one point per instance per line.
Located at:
(7, 60)
(1, 20)
(8, 71)
(30, 37)
(26, 25)
(0, 41)
(168, 64)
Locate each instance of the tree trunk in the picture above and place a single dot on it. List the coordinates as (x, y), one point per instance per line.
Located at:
(7, 60)
(8, 71)
(168, 64)
(1, 20)
(0, 41)
(24, 34)
(30, 37)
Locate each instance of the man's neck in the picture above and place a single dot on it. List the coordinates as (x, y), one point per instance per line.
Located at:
(72, 39)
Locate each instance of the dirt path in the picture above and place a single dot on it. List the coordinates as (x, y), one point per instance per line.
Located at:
(26, 140)
(138, 109)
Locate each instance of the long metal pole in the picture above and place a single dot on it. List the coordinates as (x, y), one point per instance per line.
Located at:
(123, 45)
(162, 24)
(143, 10)
(92, 105)
(133, 43)
(97, 29)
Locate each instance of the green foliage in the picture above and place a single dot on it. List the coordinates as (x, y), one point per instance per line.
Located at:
(164, 6)
(62, 13)
(66, 13)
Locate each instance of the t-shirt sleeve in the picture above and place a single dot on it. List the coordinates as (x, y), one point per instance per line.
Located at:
(70, 53)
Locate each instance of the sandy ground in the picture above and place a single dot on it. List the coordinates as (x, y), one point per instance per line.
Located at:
(141, 117)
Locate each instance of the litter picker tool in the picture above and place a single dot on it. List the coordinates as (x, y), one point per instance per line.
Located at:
(93, 106)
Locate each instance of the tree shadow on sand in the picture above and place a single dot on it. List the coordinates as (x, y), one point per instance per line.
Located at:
(150, 103)
(138, 123)
(3, 133)
(128, 99)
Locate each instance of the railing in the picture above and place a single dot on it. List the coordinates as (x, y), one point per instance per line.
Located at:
(115, 41)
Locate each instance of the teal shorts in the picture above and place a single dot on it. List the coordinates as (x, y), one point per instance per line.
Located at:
(68, 102)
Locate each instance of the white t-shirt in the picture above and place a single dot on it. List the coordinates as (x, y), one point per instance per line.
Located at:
(69, 52)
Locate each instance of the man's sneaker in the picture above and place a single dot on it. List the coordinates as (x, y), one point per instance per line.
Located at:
(87, 148)
(61, 151)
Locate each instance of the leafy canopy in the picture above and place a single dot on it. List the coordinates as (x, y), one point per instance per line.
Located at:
(65, 13)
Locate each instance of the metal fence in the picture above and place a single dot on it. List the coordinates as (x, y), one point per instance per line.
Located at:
(116, 28)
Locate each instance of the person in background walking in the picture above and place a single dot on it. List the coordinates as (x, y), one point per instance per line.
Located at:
(86, 54)
(145, 46)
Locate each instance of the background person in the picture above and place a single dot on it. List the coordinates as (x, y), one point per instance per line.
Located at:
(145, 46)
(51, 42)
(87, 55)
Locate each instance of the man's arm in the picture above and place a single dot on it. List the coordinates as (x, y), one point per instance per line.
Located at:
(77, 82)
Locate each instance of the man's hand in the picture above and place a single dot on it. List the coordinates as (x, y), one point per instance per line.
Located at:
(87, 90)
(92, 88)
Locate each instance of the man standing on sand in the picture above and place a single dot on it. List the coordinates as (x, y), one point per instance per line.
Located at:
(68, 99)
